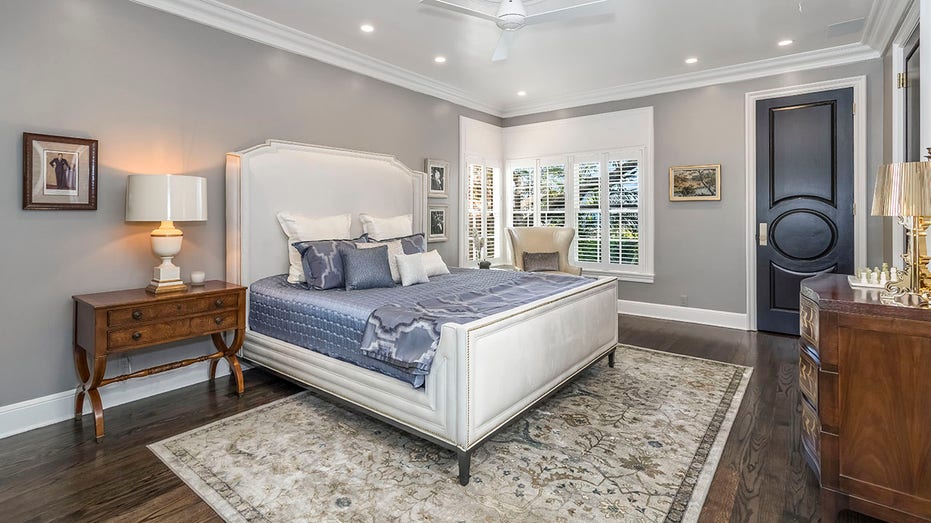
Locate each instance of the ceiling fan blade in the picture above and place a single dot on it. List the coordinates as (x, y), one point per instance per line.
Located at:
(595, 7)
(504, 46)
(459, 9)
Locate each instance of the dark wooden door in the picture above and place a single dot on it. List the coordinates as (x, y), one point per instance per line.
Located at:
(804, 201)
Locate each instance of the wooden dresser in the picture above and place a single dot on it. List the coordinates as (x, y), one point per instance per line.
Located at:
(865, 377)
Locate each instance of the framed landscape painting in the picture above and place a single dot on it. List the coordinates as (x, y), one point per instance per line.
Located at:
(694, 183)
(59, 173)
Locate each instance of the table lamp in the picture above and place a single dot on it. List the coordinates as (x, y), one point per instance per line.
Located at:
(903, 190)
(166, 198)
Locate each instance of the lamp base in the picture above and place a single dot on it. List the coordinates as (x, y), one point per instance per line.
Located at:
(166, 243)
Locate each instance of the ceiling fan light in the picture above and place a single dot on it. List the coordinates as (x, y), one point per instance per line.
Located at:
(511, 22)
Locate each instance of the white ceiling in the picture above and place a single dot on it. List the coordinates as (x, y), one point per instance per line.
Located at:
(639, 43)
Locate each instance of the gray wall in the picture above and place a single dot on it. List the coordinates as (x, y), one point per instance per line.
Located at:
(700, 246)
(162, 94)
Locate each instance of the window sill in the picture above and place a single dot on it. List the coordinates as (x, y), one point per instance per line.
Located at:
(636, 277)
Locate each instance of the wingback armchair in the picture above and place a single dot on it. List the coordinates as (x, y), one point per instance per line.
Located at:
(543, 239)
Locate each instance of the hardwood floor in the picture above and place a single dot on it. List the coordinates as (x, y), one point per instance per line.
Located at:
(58, 473)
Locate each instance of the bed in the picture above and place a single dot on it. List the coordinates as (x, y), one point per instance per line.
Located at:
(471, 391)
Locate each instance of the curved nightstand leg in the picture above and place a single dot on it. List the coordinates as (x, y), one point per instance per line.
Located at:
(100, 368)
(229, 353)
(84, 374)
(213, 368)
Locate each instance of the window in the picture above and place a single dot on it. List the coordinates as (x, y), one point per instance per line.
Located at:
(603, 194)
(481, 216)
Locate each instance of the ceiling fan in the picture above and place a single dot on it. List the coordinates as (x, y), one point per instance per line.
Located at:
(512, 16)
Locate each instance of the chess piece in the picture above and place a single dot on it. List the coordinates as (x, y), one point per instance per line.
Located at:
(893, 275)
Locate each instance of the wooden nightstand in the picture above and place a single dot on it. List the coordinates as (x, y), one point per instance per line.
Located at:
(123, 321)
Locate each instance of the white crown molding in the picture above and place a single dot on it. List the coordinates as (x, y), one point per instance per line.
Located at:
(832, 56)
(256, 28)
(729, 320)
(883, 21)
(213, 13)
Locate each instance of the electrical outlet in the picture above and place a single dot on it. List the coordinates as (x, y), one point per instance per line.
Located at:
(684, 300)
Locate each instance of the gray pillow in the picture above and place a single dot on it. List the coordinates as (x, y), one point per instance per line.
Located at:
(541, 261)
(365, 268)
(323, 265)
(411, 244)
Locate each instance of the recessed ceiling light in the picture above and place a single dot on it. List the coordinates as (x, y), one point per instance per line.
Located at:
(691, 60)
(440, 59)
(521, 93)
(783, 43)
(367, 28)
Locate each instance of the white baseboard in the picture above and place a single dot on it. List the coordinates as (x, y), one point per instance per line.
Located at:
(39, 412)
(730, 320)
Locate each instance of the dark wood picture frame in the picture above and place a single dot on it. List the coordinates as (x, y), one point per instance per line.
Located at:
(86, 201)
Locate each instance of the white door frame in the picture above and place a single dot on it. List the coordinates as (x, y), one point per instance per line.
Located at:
(909, 25)
(859, 172)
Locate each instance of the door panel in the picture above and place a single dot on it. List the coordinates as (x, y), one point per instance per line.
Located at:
(804, 198)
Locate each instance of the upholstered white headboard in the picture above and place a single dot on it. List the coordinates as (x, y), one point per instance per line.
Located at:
(312, 180)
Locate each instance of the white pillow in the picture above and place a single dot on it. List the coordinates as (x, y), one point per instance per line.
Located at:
(434, 263)
(394, 249)
(299, 228)
(387, 228)
(412, 269)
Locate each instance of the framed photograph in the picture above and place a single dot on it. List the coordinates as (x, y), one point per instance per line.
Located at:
(438, 174)
(59, 173)
(689, 183)
(438, 225)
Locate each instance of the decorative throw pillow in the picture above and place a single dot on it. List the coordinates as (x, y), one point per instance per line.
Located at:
(411, 244)
(322, 263)
(387, 228)
(365, 268)
(412, 269)
(299, 228)
(541, 261)
(394, 249)
(434, 263)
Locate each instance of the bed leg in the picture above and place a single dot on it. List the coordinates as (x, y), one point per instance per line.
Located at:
(465, 462)
(611, 358)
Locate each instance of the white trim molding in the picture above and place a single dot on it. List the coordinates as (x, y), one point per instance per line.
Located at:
(242, 23)
(729, 320)
(840, 55)
(908, 26)
(218, 15)
(47, 410)
(858, 83)
(883, 22)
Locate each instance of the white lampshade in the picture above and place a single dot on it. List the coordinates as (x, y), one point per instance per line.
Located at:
(166, 197)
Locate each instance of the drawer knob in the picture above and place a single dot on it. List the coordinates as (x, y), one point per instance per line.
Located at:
(219, 302)
(218, 320)
(137, 315)
(137, 335)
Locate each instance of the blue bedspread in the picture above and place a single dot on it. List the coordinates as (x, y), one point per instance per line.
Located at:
(407, 336)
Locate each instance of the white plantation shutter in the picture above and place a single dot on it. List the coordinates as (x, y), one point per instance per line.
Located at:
(589, 226)
(624, 208)
(553, 195)
(481, 211)
(523, 183)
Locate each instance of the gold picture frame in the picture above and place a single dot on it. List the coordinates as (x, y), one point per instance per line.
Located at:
(690, 183)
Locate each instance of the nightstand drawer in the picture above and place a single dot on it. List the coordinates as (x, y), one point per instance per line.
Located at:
(148, 334)
(220, 321)
(174, 309)
(808, 322)
(808, 377)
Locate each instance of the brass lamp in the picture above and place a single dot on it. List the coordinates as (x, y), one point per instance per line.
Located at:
(904, 190)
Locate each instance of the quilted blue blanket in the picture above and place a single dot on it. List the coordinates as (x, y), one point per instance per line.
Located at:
(407, 336)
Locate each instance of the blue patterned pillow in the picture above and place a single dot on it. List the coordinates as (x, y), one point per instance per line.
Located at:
(410, 244)
(323, 265)
(365, 268)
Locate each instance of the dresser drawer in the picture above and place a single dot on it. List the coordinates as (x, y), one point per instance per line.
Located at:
(220, 321)
(173, 309)
(808, 322)
(811, 432)
(808, 377)
(148, 334)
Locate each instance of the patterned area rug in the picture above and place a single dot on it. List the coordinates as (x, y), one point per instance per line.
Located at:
(639, 442)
